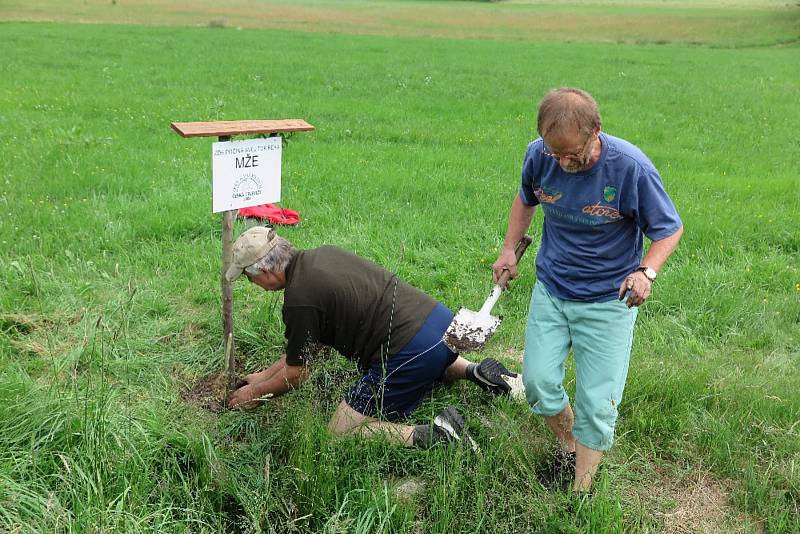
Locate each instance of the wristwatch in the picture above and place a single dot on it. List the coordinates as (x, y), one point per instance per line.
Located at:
(649, 272)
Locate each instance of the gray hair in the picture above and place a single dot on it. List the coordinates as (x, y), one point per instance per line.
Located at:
(276, 260)
(567, 108)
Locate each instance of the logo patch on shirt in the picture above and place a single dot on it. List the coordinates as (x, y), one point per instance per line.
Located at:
(606, 212)
(609, 193)
(546, 195)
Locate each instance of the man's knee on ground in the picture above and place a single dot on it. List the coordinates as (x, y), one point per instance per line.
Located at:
(346, 419)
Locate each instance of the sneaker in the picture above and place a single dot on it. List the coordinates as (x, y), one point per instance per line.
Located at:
(559, 472)
(492, 376)
(449, 423)
(517, 387)
(447, 427)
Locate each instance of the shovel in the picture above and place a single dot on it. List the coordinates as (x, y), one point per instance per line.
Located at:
(469, 330)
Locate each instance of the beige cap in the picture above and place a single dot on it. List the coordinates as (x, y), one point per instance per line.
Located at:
(250, 247)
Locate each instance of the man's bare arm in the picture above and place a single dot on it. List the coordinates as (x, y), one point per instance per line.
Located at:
(519, 220)
(660, 250)
(284, 377)
(636, 284)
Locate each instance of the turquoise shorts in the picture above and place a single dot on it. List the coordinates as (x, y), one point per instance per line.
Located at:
(600, 335)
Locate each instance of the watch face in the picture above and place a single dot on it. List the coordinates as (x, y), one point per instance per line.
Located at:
(648, 272)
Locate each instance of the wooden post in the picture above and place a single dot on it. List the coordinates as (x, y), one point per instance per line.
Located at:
(227, 293)
(224, 130)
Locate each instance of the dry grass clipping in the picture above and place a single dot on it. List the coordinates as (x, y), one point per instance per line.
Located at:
(700, 505)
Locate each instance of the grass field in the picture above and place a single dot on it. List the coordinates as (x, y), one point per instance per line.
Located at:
(109, 260)
(708, 22)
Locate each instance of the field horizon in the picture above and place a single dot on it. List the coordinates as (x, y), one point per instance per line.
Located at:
(718, 23)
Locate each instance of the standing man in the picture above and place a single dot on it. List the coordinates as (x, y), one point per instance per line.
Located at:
(600, 194)
(392, 330)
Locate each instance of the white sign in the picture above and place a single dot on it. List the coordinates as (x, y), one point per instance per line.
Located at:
(245, 173)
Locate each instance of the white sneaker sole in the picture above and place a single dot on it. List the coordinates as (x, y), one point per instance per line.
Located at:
(517, 387)
(445, 425)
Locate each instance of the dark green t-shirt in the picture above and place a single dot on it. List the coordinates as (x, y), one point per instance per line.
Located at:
(349, 303)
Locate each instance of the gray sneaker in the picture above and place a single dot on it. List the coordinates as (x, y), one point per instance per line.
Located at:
(492, 376)
(449, 424)
(447, 427)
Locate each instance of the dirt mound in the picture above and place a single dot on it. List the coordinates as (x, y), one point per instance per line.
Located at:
(207, 393)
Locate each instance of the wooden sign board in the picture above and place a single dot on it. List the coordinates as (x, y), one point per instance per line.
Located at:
(224, 130)
(229, 128)
(245, 173)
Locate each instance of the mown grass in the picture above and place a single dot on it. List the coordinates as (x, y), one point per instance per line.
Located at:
(110, 293)
(734, 23)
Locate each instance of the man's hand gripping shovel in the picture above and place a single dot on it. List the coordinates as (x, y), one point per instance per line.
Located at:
(470, 331)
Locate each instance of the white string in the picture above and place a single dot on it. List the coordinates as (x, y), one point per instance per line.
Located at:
(382, 383)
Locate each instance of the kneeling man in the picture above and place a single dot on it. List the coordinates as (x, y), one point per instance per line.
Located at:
(392, 330)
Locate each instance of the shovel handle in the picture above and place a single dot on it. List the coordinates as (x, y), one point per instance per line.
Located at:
(519, 250)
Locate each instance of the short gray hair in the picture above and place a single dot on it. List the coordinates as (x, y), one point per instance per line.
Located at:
(568, 108)
(276, 260)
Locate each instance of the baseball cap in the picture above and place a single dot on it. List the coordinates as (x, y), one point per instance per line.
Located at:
(250, 247)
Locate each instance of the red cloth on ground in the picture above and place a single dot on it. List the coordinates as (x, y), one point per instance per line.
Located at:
(271, 212)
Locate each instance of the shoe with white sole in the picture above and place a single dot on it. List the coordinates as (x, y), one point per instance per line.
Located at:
(447, 427)
(492, 376)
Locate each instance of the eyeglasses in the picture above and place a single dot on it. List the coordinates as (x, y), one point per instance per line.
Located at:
(574, 156)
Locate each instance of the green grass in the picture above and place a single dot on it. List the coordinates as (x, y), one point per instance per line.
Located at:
(109, 290)
(719, 23)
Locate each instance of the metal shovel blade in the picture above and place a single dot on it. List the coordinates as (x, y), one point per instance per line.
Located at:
(470, 331)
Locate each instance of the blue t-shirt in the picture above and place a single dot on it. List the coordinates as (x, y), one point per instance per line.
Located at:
(594, 221)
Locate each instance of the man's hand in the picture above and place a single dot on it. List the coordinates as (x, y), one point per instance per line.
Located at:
(637, 286)
(505, 261)
(245, 398)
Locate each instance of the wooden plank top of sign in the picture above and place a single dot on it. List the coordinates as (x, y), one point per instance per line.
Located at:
(227, 128)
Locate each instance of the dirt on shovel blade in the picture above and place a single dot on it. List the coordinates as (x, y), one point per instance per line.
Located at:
(466, 338)
(469, 331)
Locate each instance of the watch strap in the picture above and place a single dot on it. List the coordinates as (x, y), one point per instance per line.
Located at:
(649, 272)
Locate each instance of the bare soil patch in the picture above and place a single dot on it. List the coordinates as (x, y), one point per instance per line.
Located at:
(207, 393)
(699, 504)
